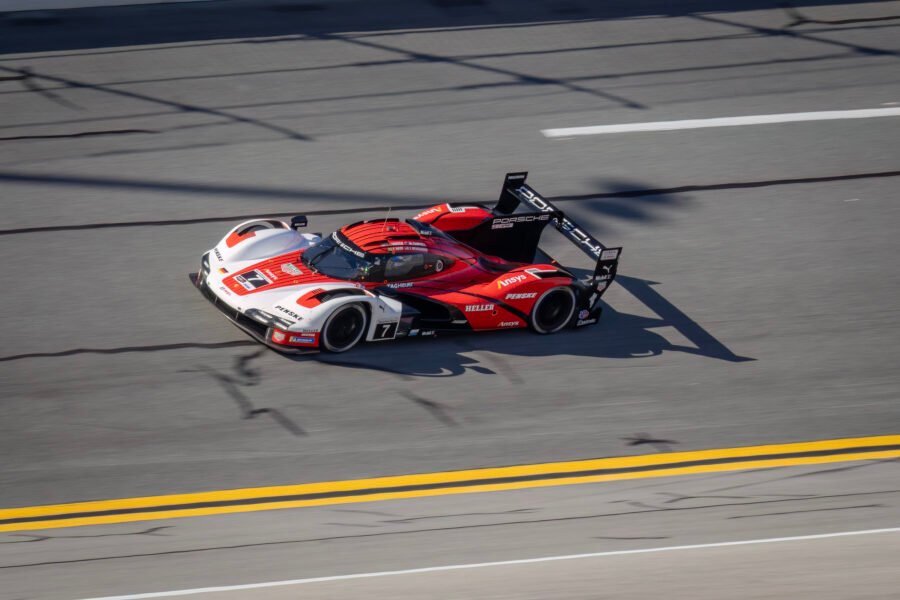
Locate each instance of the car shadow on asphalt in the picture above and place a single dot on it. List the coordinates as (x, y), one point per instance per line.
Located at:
(619, 335)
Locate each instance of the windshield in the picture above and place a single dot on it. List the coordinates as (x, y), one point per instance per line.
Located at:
(335, 259)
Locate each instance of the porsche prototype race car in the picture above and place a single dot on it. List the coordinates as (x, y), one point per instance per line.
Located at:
(450, 267)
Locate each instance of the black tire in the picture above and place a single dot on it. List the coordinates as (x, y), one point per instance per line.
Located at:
(344, 328)
(553, 310)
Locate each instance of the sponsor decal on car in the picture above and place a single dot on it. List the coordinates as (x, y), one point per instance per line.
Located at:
(288, 312)
(601, 285)
(385, 331)
(299, 339)
(270, 274)
(521, 296)
(510, 323)
(479, 307)
(585, 322)
(291, 269)
(609, 255)
(218, 254)
(507, 222)
(346, 247)
(252, 280)
(400, 285)
(278, 336)
(584, 313)
(502, 283)
(425, 213)
(568, 226)
(225, 289)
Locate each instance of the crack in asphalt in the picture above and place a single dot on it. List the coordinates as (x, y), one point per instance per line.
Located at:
(440, 529)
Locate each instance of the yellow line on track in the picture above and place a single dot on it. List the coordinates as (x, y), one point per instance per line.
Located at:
(450, 482)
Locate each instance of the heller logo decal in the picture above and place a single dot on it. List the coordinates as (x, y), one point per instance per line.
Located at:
(479, 307)
(510, 324)
(510, 280)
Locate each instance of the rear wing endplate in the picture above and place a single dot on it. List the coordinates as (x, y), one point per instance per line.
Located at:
(515, 192)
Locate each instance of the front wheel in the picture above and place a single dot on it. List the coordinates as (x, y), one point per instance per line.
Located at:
(553, 310)
(344, 328)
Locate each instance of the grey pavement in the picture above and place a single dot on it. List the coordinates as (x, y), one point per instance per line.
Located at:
(757, 303)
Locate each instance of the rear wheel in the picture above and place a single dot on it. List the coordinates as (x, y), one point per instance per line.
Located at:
(553, 310)
(344, 328)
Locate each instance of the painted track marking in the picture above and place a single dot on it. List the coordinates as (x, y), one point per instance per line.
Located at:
(523, 561)
(596, 470)
(828, 115)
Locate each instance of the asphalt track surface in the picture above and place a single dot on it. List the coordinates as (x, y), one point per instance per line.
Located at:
(757, 302)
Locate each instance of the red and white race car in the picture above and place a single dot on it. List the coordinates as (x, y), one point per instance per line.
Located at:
(450, 267)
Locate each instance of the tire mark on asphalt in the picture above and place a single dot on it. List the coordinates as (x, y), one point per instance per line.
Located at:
(246, 375)
(439, 411)
(473, 514)
(795, 512)
(127, 349)
(152, 531)
(435, 529)
(295, 194)
(799, 18)
(79, 134)
(660, 445)
(852, 467)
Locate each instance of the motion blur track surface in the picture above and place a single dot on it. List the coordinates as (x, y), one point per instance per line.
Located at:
(757, 302)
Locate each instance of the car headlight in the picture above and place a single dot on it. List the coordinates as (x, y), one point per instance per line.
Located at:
(204, 265)
(268, 319)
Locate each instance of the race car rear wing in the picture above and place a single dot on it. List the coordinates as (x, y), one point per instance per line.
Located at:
(516, 192)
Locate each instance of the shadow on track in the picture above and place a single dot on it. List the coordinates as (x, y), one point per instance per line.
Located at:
(227, 22)
(619, 335)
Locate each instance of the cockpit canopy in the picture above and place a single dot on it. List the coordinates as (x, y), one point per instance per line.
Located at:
(377, 256)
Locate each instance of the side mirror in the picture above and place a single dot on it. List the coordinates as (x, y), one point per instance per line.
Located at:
(299, 222)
